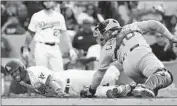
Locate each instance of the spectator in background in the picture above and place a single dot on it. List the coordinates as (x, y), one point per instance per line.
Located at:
(160, 50)
(150, 10)
(110, 9)
(132, 6)
(170, 22)
(90, 12)
(71, 22)
(4, 15)
(5, 47)
(12, 25)
(22, 14)
(84, 38)
(33, 7)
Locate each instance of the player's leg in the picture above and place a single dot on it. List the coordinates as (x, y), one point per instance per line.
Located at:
(130, 70)
(41, 57)
(157, 76)
(130, 67)
(55, 59)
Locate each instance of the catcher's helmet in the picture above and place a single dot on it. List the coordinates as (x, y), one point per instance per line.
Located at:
(106, 25)
(13, 66)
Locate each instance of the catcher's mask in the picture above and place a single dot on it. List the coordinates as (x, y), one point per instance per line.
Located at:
(15, 68)
(109, 25)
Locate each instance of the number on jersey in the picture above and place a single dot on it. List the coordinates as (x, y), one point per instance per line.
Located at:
(128, 38)
(56, 32)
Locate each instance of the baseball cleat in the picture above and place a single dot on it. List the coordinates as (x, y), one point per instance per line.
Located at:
(119, 91)
(143, 92)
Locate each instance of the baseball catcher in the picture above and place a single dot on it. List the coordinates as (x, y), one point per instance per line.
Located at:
(128, 46)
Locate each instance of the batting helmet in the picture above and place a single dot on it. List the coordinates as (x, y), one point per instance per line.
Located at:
(13, 66)
(106, 25)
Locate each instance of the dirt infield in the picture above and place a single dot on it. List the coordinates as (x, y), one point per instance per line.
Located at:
(84, 101)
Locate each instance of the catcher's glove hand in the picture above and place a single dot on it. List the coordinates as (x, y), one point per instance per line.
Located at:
(86, 92)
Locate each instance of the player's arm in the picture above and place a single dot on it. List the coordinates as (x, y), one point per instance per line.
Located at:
(104, 63)
(31, 31)
(67, 39)
(152, 25)
(29, 37)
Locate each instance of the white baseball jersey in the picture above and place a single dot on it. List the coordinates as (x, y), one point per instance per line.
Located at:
(78, 78)
(47, 27)
(38, 74)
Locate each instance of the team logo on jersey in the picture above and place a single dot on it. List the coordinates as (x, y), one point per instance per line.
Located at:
(44, 25)
(42, 76)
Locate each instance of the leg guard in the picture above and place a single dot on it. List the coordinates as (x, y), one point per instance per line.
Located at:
(159, 79)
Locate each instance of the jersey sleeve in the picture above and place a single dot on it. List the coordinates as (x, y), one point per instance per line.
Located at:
(33, 23)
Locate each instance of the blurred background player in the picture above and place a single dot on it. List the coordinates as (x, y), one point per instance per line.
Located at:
(41, 78)
(145, 69)
(47, 26)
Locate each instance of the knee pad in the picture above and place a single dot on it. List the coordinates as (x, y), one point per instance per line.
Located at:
(165, 73)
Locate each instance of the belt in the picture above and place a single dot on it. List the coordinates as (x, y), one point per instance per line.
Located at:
(49, 43)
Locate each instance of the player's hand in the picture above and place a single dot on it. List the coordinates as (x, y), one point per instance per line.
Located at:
(73, 54)
(173, 40)
(85, 93)
(26, 52)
